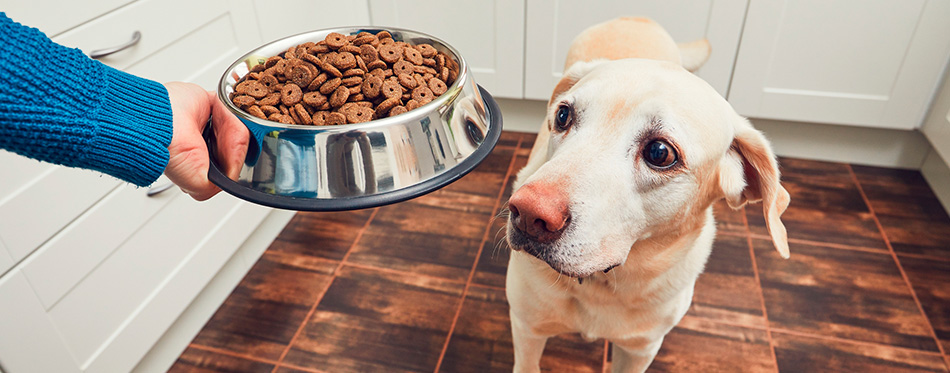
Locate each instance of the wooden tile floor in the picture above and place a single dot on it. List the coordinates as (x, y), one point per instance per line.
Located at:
(419, 286)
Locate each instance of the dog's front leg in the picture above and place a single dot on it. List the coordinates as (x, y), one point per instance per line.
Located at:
(633, 356)
(528, 346)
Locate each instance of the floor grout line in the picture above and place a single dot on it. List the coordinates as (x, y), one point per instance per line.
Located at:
(758, 282)
(492, 287)
(230, 353)
(603, 366)
(471, 274)
(815, 243)
(897, 261)
(333, 276)
(853, 341)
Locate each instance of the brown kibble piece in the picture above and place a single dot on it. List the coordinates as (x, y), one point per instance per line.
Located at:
(254, 89)
(319, 118)
(426, 50)
(392, 88)
(290, 94)
(390, 53)
(314, 99)
(330, 85)
(335, 119)
(412, 55)
(359, 114)
(301, 76)
(369, 53)
(244, 101)
(269, 110)
(256, 111)
(437, 86)
(317, 82)
(412, 104)
(271, 99)
(352, 81)
(397, 110)
(372, 86)
(407, 81)
(403, 67)
(335, 40)
(422, 94)
(302, 114)
(383, 108)
(384, 35)
(344, 61)
(339, 96)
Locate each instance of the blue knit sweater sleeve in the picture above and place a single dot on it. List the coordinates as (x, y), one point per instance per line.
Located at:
(59, 106)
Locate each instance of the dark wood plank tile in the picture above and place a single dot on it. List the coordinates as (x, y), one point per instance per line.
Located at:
(727, 290)
(729, 220)
(931, 281)
(697, 345)
(321, 234)
(840, 293)
(195, 360)
(436, 235)
(489, 176)
(911, 215)
(482, 341)
(826, 206)
(493, 263)
(262, 314)
(805, 354)
(378, 321)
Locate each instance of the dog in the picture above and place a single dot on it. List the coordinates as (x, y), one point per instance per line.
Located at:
(610, 222)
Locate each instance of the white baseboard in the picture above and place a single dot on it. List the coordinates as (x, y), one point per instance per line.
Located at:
(937, 173)
(176, 339)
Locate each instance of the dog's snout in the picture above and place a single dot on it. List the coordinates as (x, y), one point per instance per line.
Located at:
(540, 211)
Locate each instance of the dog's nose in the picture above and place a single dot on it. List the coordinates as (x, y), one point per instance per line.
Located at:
(540, 211)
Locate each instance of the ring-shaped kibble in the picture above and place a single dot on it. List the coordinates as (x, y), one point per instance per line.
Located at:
(256, 111)
(243, 101)
(383, 108)
(390, 53)
(369, 53)
(426, 50)
(407, 81)
(403, 67)
(412, 55)
(422, 94)
(384, 35)
(437, 86)
(317, 82)
(319, 118)
(392, 88)
(271, 99)
(290, 94)
(352, 81)
(303, 114)
(335, 40)
(314, 99)
(301, 76)
(372, 86)
(269, 81)
(359, 114)
(344, 61)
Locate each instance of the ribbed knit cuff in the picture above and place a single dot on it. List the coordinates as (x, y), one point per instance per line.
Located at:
(135, 130)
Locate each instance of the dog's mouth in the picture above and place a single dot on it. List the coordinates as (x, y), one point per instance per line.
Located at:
(518, 240)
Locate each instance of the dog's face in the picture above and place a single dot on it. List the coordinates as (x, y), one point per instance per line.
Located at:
(635, 149)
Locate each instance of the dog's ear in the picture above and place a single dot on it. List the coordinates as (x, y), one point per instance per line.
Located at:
(573, 74)
(749, 173)
(694, 54)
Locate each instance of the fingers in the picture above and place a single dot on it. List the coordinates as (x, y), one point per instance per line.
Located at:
(189, 160)
(232, 138)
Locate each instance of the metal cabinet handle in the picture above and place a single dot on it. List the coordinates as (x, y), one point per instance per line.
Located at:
(99, 53)
(155, 190)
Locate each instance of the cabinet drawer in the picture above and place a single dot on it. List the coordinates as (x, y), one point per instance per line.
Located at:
(175, 44)
(73, 253)
(47, 204)
(67, 14)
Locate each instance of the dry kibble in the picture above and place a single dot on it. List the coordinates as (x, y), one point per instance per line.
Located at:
(345, 79)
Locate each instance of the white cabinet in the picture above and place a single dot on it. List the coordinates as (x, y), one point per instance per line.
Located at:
(552, 25)
(488, 34)
(869, 63)
(94, 271)
(279, 19)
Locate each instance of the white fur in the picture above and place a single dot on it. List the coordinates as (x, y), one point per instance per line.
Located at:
(622, 211)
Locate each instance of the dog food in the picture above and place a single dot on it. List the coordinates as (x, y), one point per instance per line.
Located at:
(345, 79)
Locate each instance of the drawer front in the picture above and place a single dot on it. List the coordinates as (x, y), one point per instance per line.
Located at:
(67, 14)
(174, 44)
(97, 306)
(47, 204)
(30, 342)
(73, 253)
(6, 261)
(17, 171)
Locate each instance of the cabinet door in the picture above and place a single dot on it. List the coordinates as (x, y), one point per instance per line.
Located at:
(291, 17)
(552, 25)
(488, 34)
(856, 62)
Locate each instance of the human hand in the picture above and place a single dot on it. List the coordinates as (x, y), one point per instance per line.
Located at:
(188, 159)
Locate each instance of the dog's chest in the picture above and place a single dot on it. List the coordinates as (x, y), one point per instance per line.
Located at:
(598, 310)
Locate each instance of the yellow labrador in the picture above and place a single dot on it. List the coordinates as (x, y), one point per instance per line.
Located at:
(611, 220)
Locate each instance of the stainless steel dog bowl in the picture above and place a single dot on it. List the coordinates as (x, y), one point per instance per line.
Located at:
(353, 166)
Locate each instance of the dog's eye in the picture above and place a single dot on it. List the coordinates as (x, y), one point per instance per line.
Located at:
(563, 117)
(659, 154)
